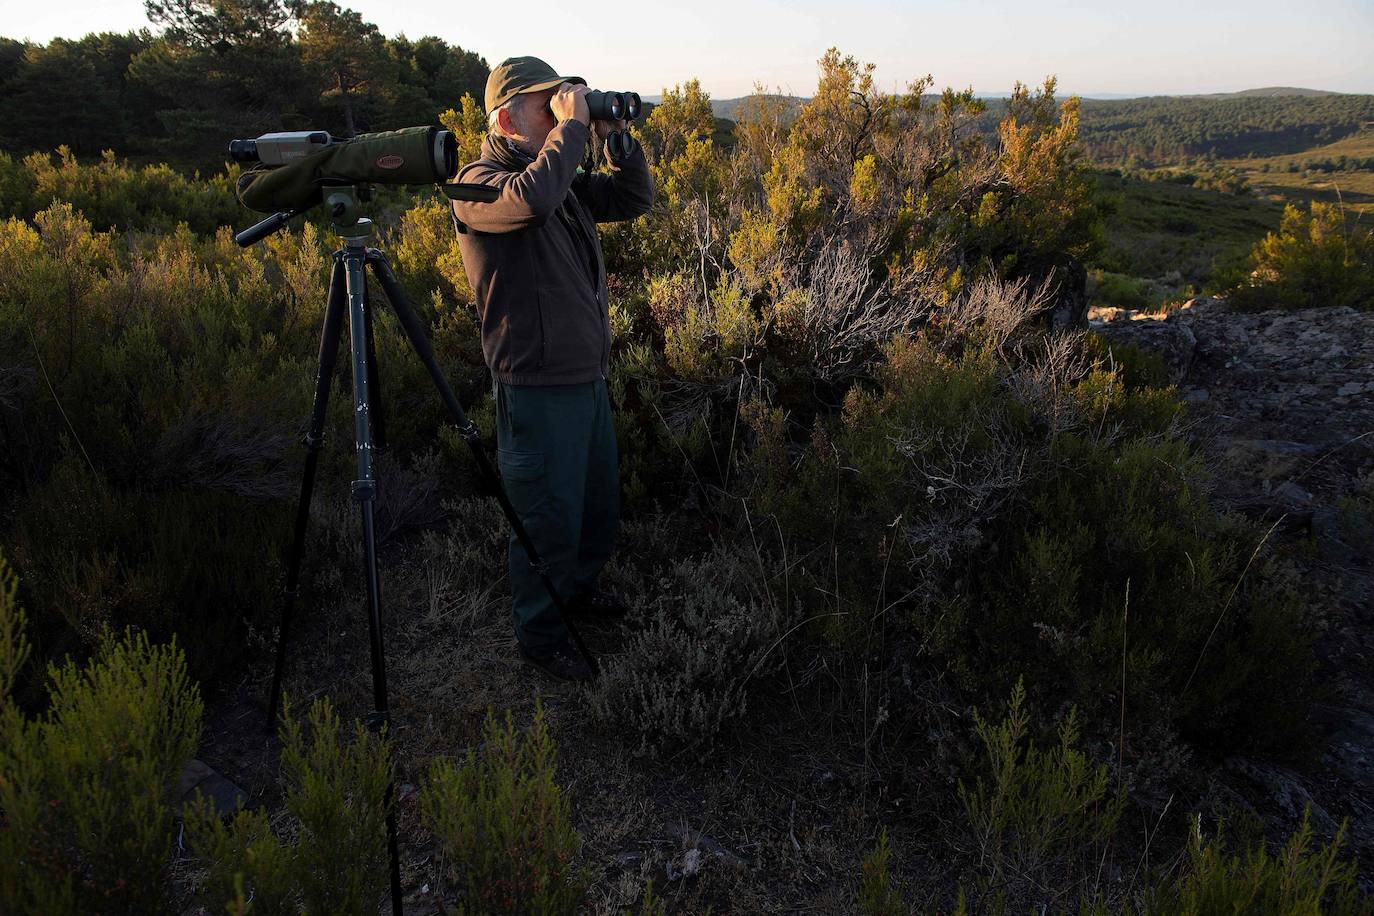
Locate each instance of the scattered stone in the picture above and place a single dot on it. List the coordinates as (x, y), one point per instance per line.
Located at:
(1196, 396)
(685, 866)
(198, 778)
(1108, 313)
(692, 840)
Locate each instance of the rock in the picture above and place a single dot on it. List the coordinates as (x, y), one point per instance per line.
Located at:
(1285, 789)
(684, 867)
(696, 842)
(1343, 538)
(1196, 396)
(1173, 341)
(1108, 313)
(197, 778)
(1291, 492)
(1351, 752)
(1350, 388)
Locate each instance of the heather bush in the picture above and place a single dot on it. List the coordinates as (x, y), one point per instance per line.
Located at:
(503, 824)
(333, 857)
(687, 674)
(88, 823)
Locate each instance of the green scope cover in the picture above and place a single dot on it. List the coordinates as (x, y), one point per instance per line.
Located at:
(413, 155)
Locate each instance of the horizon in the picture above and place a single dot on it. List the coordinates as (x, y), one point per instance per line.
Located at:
(987, 45)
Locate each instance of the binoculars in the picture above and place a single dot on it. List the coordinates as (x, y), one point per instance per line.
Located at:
(621, 144)
(613, 106)
(609, 106)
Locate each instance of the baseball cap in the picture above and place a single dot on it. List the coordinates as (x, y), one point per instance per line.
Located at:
(515, 75)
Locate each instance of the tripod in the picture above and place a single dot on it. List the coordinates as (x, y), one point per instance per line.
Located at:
(348, 293)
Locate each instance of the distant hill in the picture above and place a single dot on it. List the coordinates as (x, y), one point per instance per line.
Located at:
(1152, 131)
(1269, 92)
(725, 108)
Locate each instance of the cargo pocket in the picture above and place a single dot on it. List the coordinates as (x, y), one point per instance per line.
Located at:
(522, 473)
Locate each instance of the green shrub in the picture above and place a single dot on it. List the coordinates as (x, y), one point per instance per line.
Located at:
(1304, 879)
(877, 897)
(995, 502)
(1123, 291)
(84, 789)
(1039, 818)
(503, 826)
(1313, 261)
(114, 194)
(336, 858)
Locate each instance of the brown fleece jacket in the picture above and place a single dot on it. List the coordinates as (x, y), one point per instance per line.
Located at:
(534, 259)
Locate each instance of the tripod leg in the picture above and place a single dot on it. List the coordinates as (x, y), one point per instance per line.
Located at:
(329, 352)
(419, 340)
(365, 492)
(374, 381)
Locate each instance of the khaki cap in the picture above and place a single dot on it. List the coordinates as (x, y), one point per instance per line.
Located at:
(515, 75)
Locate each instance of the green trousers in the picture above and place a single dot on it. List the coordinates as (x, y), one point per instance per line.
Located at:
(557, 454)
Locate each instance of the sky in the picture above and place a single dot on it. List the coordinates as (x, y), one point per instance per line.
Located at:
(1165, 47)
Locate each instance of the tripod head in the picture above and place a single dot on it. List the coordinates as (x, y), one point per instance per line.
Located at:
(344, 202)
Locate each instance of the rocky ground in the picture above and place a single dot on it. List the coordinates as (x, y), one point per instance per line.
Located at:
(1283, 405)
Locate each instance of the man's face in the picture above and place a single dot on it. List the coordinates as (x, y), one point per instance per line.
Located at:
(533, 120)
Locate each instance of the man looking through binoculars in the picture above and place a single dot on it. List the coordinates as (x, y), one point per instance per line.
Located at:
(534, 260)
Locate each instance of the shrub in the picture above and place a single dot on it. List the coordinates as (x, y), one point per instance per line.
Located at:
(1039, 818)
(1000, 489)
(336, 796)
(877, 897)
(1312, 261)
(1303, 880)
(84, 789)
(114, 194)
(683, 678)
(502, 824)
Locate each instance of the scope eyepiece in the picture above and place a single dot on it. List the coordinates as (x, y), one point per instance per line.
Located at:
(243, 150)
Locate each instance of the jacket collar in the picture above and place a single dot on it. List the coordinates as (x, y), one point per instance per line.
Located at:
(502, 151)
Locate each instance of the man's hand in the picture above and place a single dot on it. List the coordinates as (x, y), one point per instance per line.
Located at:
(570, 102)
(604, 128)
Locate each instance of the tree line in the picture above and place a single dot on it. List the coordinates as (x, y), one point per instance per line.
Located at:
(218, 70)
(1165, 130)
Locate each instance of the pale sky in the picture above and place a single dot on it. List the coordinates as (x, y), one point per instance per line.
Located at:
(1159, 47)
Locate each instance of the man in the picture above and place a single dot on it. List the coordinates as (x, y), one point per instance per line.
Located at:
(535, 263)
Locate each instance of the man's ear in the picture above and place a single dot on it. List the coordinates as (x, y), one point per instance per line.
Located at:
(505, 121)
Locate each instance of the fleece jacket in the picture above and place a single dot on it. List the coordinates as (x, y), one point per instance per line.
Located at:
(534, 259)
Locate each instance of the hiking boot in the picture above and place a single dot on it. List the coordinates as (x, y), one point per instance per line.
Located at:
(561, 662)
(597, 603)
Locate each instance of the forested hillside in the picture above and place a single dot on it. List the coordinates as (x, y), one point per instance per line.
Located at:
(180, 96)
